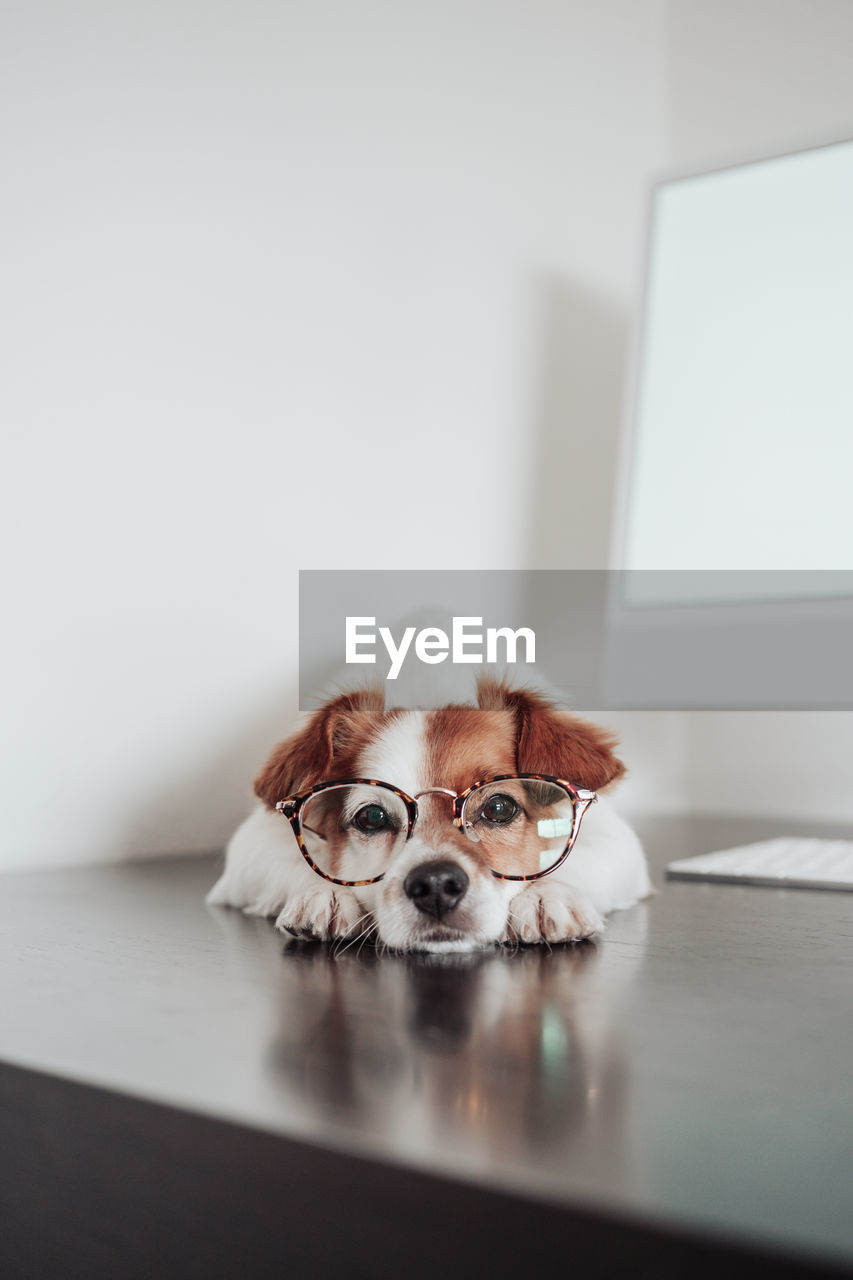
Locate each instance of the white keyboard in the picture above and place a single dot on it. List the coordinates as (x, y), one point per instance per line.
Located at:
(788, 862)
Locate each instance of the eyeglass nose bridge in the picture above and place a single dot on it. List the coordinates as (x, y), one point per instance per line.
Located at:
(437, 791)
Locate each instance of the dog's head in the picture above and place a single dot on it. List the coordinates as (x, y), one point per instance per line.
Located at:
(438, 889)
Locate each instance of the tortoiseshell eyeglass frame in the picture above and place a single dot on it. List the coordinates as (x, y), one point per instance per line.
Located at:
(291, 808)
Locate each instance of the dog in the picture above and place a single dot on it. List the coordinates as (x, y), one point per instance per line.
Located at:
(440, 858)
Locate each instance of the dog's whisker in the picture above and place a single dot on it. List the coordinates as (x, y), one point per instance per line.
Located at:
(356, 922)
(366, 915)
(514, 921)
(342, 944)
(361, 936)
(365, 937)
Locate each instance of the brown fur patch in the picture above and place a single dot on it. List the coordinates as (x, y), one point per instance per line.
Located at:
(327, 746)
(552, 741)
(465, 744)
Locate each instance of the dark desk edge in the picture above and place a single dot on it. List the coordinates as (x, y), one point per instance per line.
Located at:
(99, 1184)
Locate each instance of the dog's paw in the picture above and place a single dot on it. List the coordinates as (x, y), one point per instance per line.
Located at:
(321, 915)
(551, 913)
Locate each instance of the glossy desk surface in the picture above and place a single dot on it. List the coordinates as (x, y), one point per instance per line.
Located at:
(694, 1068)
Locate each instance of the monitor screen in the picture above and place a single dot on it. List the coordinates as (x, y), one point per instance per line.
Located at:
(741, 450)
(735, 529)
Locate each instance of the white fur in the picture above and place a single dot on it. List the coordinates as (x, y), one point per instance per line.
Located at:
(266, 875)
(397, 755)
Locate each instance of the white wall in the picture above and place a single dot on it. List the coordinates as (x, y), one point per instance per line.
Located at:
(748, 78)
(269, 271)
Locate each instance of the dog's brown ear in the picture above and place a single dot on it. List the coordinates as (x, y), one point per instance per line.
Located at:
(552, 741)
(332, 734)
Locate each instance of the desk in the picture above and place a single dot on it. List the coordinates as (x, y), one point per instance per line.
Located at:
(183, 1092)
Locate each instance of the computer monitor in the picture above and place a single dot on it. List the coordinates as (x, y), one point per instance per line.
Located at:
(735, 528)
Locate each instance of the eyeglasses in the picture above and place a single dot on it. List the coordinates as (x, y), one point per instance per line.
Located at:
(349, 829)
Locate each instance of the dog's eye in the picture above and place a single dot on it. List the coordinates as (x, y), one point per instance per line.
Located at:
(372, 817)
(499, 809)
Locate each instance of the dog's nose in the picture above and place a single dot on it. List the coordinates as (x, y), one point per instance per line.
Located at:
(436, 887)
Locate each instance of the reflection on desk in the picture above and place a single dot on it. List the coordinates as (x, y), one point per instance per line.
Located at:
(462, 1053)
(689, 1073)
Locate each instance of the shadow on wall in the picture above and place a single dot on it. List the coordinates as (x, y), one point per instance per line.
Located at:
(575, 426)
(576, 430)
